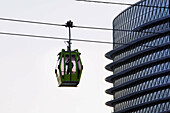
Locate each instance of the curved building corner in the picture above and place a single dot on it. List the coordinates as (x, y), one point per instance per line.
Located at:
(141, 59)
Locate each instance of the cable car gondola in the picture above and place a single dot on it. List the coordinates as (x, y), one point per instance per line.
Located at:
(69, 68)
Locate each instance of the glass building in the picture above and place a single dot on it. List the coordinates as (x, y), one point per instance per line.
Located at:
(141, 59)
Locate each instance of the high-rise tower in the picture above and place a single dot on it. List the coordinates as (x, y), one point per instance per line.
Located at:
(141, 59)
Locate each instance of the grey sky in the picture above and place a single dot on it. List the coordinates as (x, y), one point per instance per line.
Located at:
(27, 79)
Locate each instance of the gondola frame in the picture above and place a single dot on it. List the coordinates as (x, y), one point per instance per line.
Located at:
(65, 79)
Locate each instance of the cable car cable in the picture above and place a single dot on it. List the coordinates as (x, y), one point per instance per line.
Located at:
(28, 35)
(115, 3)
(51, 37)
(97, 28)
(32, 22)
(112, 29)
(64, 25)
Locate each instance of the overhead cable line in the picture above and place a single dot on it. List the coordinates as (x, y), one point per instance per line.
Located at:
(115, 3)
(35, 36)
(51, 37)
(32, 22)
(99, 28)
(54, 24)
(59, 38)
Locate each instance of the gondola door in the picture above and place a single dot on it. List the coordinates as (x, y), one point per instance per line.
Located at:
(70, 67)
(67, 67)
(74, 67)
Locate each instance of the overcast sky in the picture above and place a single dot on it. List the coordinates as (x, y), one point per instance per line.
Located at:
(28, 83)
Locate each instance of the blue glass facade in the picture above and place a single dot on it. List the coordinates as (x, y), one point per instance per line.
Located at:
(141, 59)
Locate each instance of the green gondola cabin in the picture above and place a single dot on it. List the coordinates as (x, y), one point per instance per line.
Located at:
(69, 68)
